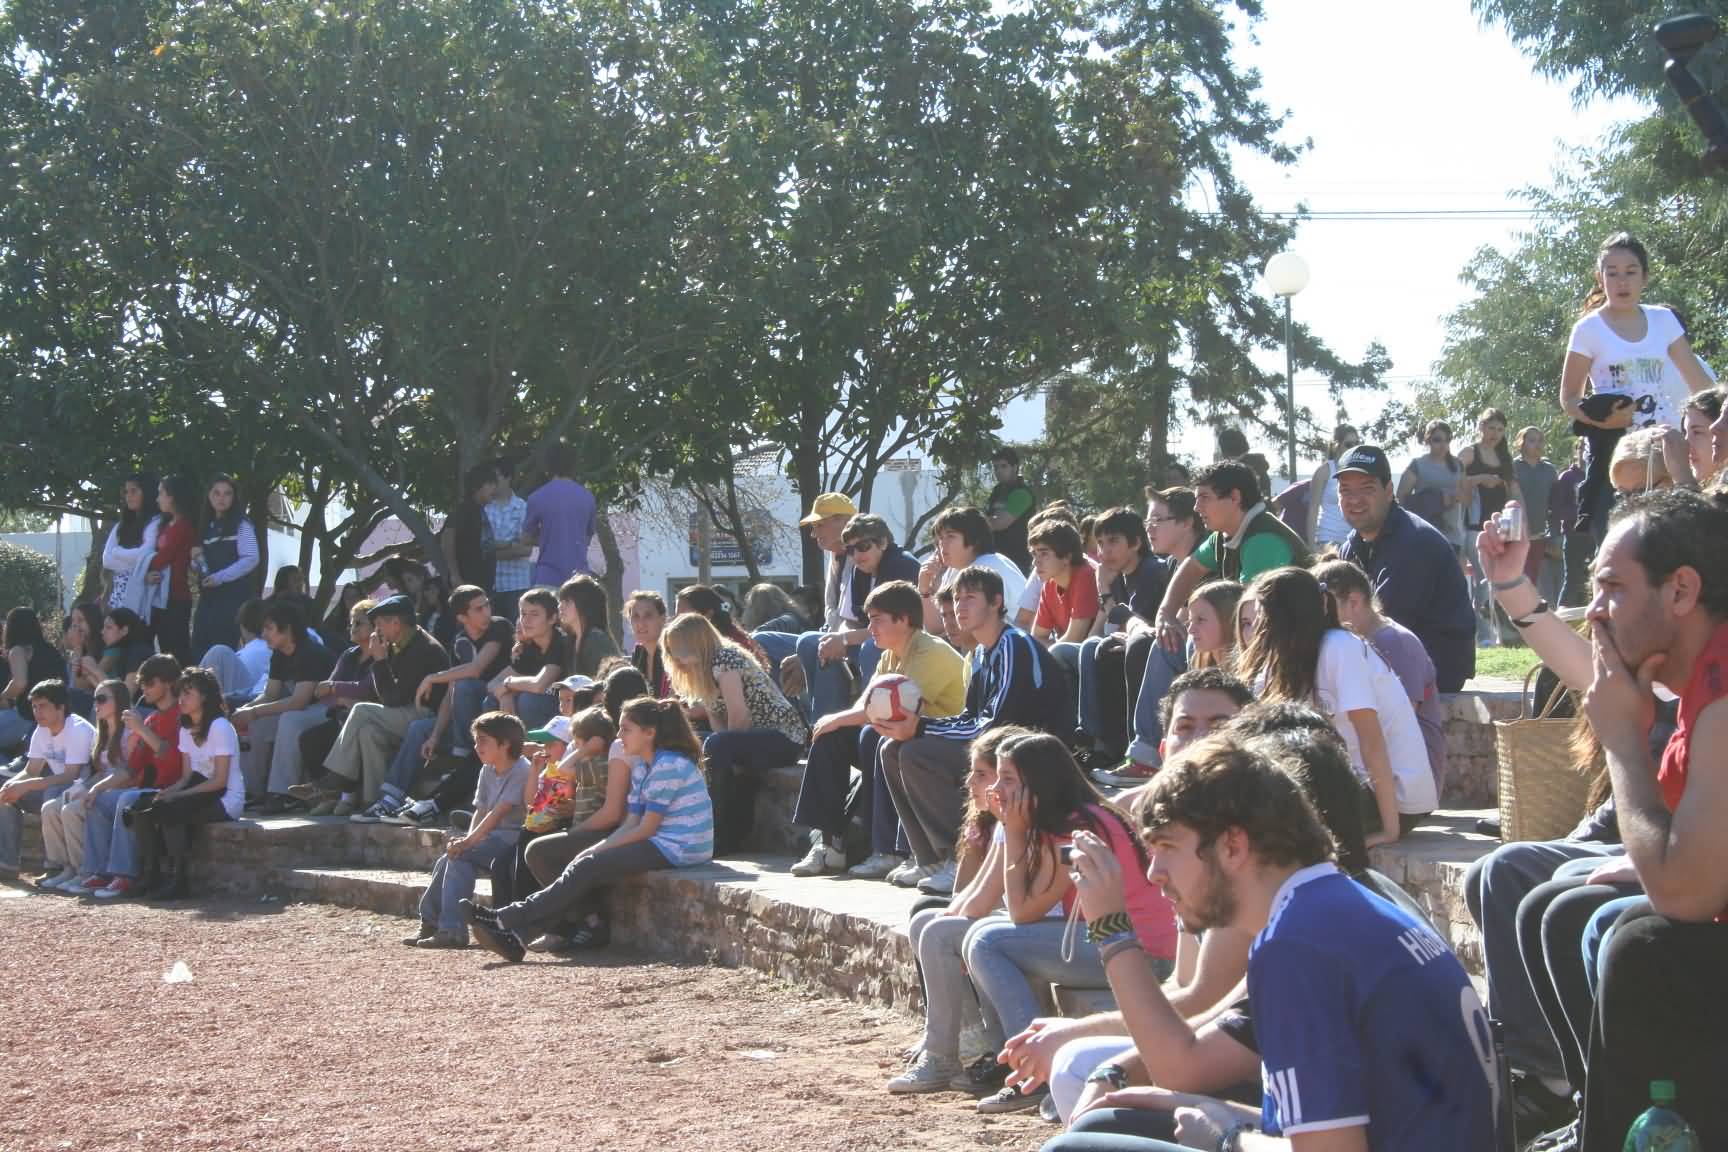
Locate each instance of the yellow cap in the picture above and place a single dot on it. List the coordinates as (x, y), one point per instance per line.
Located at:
(830, 504)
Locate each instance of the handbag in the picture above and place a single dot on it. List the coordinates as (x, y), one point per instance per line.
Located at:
(1542, 793)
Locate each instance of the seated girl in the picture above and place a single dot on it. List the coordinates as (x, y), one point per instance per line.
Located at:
(668, 823)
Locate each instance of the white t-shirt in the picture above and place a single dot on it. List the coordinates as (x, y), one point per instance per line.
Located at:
(1642, 371)
(1351, 676)
(1029, 597)
(72, 748)
(221, 741)
(1013, 580)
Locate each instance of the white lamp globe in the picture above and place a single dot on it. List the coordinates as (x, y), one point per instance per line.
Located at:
(1286, 274)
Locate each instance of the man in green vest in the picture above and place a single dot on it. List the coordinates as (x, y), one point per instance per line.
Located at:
(1246, 539)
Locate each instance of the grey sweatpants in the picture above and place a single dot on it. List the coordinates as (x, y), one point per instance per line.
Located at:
(926, 778)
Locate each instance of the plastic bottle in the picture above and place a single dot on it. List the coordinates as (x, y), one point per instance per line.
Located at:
(1660, 1128)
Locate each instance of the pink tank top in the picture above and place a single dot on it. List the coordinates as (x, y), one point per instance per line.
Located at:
(1151, 912)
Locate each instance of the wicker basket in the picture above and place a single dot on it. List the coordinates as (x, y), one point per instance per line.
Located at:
(1542, 793)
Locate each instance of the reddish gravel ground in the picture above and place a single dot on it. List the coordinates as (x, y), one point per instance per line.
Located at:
(309, 1027)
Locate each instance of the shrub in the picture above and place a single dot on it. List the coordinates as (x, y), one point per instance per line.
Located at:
(29, 577)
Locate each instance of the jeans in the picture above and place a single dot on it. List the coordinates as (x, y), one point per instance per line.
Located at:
(406, 764)
(575, 888)
(1597, 933)
(108, 844)
(370, 737)
(1494, 887)
(937, 940)
(467, 701)
(736, 761)
(1119, 1130)
(826, 686)
(778, 645)
(536, 708)
(15, 728)
(271, 759)
(453, 880)
(12, 823)
(1010, 963)
(1162, 668)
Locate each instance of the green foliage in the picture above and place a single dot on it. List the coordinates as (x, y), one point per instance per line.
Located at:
(17, 520)
(1605, 47)
(29, 578)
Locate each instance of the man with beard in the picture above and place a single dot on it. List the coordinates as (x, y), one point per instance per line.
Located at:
(1369, 1034)
(1659, 617)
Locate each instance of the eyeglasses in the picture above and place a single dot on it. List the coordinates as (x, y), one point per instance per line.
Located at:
(1439, 439)
(861, 547)
(103, 699)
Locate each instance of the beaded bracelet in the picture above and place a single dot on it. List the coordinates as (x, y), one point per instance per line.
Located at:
(1105, 927)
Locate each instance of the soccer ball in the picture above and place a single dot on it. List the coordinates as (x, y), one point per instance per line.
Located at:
(892, 697)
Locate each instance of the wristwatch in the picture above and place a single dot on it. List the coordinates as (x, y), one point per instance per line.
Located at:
(1112, 1074)
(1524, 622)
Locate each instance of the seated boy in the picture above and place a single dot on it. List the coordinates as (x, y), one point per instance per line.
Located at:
(569, 759)
(500, 800)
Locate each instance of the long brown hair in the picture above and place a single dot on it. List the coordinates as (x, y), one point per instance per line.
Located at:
(1295, 615)
(113, 743)
(1620, 241)
(666, 720)
(1063, 799)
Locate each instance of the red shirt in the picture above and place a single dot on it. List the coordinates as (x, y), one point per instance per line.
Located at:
(174, 552)
(158, 769)
(1149, 910)
(1709, 684)
(1057, 607)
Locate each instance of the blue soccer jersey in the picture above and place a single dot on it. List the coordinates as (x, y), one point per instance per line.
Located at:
(1365, 1018)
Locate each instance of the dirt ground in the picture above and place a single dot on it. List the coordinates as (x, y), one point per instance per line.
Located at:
(310, 1027)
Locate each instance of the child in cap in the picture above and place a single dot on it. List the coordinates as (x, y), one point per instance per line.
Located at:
(576, 693)
(570, 758)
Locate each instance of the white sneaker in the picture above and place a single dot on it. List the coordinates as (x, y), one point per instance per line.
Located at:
(939, 882)
(70, 883)
(877, 867)
(821, 858)
(911, 874)
(927, 1074)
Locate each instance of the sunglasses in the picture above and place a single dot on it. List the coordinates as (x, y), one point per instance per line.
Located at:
(861, 547)
(103, 699)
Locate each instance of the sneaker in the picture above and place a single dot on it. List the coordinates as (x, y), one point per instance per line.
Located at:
(1560, 1140)
(550, 942)
(588, 939)
(926, 1074)
(375, 814)
(306, 792)
(1128, 774)
(72, 886)
(117, 887)
(981, 1077)
(344, 807)
(50, 879)
(413, 812)
(821, 858)
(1011, 1099)
(911, 874)
(1047, 1110)
(440, 940)
(495, 938)
(939, 882)
(96, 883)
(877, 867)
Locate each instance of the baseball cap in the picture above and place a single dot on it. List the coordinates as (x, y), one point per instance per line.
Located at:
(830, 504)
(576, 683)
(557, 730)
(1368, 460)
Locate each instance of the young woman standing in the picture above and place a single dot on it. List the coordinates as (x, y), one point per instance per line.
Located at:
(1325, 519)
(1489, 482)
(1432, 486)
(131, 545)
(168, 576)
(223, 563)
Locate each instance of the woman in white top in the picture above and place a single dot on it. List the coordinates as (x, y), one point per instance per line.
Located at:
(1325, 519)
(963, 538)
(211, 789)
(1624, 347)
(1299, 652)
(131, 546)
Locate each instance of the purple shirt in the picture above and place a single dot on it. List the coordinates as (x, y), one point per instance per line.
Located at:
(561, 513)
(1403, 652)
(1563, 504)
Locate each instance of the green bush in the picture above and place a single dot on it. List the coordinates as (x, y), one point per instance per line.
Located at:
(28, 577)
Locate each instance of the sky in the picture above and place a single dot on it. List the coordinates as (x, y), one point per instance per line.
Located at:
(1411, 106)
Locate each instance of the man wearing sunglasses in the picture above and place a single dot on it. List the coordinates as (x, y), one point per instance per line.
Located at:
(875, 560)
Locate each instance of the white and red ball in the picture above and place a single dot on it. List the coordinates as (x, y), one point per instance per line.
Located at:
(892, 697)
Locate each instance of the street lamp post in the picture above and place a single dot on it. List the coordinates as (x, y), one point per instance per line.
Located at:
(1286, 275)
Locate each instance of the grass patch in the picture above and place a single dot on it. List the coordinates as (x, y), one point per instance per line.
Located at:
(1505, 663)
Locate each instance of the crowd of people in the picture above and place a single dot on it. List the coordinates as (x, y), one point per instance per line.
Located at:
(1151, 753)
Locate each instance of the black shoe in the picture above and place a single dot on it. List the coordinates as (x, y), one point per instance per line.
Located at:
(589, 937)
(495, 938)
(982, 1077)
(1537, 1109)
(477, 911)
(427, 931)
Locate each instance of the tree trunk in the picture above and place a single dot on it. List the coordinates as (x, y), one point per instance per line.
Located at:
(807, 476)
(256, 497)
(91, 583)
(613, 578)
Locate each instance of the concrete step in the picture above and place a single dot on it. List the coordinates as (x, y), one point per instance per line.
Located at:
(1430, 864)
(390, 891)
